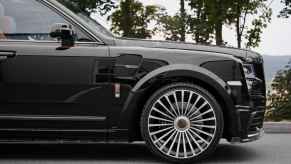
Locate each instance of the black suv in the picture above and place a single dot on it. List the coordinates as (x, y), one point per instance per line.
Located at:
(65, 79)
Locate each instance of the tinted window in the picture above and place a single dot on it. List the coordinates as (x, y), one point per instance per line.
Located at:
(28, 20)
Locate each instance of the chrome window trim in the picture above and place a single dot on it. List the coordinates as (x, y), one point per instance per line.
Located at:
(46, 41)
(54, 130)
(53, 118)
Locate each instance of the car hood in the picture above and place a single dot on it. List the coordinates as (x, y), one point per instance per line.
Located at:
(243, 54)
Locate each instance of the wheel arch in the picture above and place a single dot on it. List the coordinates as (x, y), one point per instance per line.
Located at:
(170, 74)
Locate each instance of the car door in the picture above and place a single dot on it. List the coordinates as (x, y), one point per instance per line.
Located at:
(46, 92)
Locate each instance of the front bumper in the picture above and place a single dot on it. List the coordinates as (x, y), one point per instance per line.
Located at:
(250, 137)
(251, 123)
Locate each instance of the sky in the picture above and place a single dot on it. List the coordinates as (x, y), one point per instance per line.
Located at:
(276, 39)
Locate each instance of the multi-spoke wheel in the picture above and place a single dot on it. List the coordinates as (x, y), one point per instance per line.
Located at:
(182, 123)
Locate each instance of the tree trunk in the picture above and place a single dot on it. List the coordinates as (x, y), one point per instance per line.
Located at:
(238, 33)
(197, 32)
(219, 23)
(218, 33)
(127, 22)
(183, 20)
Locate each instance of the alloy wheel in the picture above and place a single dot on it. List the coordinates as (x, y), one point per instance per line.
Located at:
(182, 124)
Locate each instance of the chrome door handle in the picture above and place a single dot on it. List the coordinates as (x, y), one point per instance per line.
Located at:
(127, 66)
(3, 57)
(7, 54)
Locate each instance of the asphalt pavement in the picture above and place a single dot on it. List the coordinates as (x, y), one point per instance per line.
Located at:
(271, 149)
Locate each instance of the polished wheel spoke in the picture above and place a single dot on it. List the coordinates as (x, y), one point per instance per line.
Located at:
(168, 110)
(197, 135)
(178, 147)
(159, 125)
(172, 107)
(194, 105)
(204, 120)
(176, 102)
(182, 124)
(201, 131)
(160, 119)
(168, 140)
(182, 102)
(188, 103)
(165, 135)
(184, 145)
(204, 126)
(195, 141)
(201, 114)
(172, 145)
(162, 113)
(160, 131)
(198, 109)
(190, 144)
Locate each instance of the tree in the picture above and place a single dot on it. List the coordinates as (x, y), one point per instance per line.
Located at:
(89, 6)
(253, 35)
(132, 19)
(280, 98)
(241, 11)
(201, 28)
(286, 11)
(218, 16)
(170, 27)
(194, 22)
(174, 27)
(213, 14)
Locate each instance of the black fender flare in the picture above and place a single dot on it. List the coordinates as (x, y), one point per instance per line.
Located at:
(187, 70)
(175, 70)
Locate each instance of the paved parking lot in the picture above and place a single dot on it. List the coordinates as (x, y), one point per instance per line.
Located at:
(272, 148)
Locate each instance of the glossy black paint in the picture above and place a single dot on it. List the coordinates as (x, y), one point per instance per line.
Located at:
(96, 91)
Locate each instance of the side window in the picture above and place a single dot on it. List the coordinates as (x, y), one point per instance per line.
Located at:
(29, 20)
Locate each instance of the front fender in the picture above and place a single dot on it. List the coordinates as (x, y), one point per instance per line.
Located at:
(132, 108)
(182, 70)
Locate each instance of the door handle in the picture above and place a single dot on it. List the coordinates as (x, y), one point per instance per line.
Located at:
(127, 66)
(7, 54)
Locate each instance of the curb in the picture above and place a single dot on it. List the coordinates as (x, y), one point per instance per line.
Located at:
(277, 127)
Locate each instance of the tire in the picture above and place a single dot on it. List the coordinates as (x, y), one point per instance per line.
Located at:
(182, 131)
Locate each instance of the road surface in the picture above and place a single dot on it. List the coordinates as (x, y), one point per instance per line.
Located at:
(271, 149)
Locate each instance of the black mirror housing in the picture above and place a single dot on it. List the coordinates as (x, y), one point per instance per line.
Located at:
(65, 33)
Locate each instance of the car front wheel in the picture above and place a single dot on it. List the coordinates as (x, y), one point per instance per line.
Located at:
(182, 123)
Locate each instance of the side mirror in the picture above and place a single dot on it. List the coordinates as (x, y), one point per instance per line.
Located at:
(65, 33)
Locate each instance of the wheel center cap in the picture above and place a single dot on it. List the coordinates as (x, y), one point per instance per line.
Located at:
(182, 123)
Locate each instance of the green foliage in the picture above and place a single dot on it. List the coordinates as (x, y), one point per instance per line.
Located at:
(279, 107)
(132, 19)
(195, 22)
(200, 22)
(170, 27)
(219, 13)
(253, 34)
(174, 27)
(286, 11)
(239, 14)
(89, 6)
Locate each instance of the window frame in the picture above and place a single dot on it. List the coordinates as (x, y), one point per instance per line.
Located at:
(69, 19)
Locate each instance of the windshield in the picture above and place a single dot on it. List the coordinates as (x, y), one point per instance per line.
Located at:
(94, 23)
(91, 22)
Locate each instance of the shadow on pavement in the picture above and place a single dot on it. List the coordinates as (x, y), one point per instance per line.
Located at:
(111, 152)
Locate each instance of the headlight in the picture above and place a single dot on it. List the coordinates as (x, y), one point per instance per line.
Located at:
(249, 71)
(250, 75)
